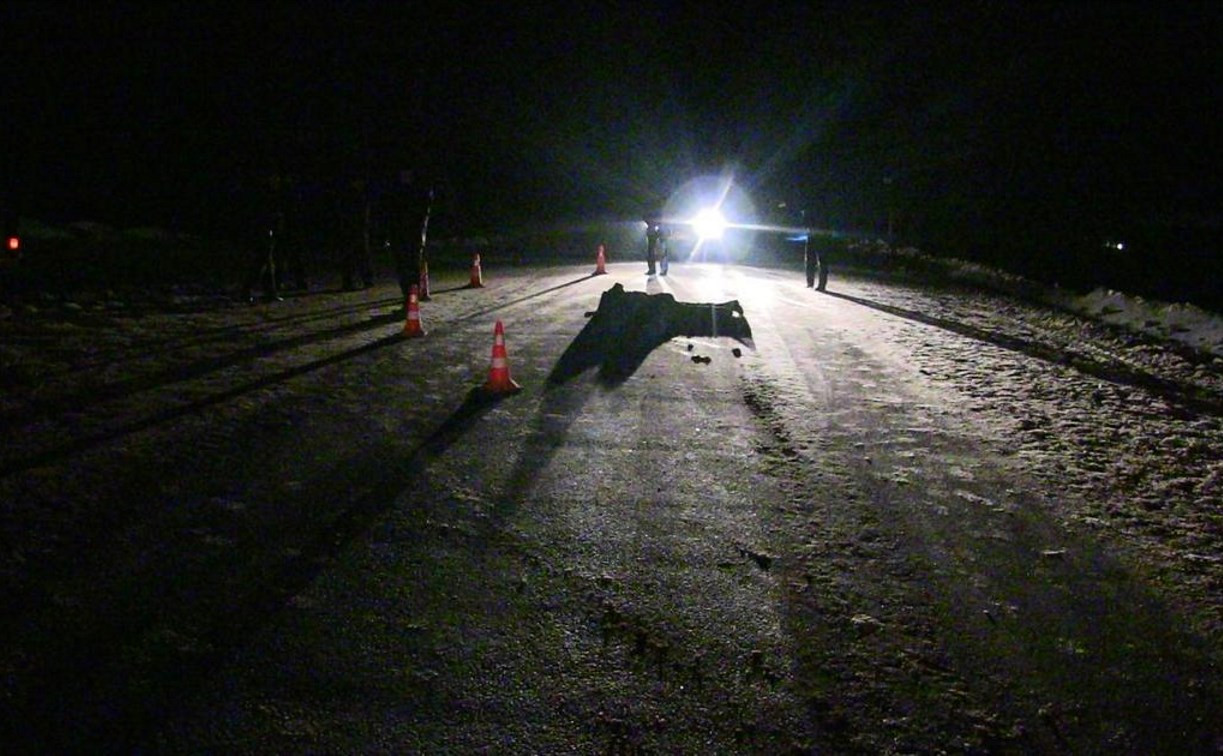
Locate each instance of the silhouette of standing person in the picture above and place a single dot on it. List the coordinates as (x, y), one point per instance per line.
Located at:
(816, 261)
(406, 216)
(261, 274)
(653, 234)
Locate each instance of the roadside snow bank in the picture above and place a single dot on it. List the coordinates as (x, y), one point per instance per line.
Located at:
(1185, 323)
(1181, 322)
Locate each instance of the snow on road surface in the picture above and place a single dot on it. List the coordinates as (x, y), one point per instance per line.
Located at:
(984, 446)
(909, 519)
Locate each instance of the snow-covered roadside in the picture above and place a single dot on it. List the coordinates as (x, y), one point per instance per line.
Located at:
(1184, 323)
(1114, 404)
(1178, 322)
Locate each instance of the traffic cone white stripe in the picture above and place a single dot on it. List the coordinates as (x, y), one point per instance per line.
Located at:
(499, 380)
(411, 324)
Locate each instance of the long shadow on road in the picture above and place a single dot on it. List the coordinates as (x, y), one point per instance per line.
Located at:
(107, 684)
(561, 406)
(622, 332)
(178, 373)
(227, 332)
(199, 369)
(970, 577)
(107, 679)
(1188, 397)
(628, 326)
(534, 295)
(78, 399)
(85, 442)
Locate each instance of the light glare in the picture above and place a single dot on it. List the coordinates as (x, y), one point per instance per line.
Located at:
(709, 223)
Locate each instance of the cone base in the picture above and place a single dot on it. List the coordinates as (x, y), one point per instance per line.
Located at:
(507, 386)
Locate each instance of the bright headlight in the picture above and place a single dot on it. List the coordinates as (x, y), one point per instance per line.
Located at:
(709, 223)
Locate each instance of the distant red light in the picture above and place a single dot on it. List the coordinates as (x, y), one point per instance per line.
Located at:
(13, 243)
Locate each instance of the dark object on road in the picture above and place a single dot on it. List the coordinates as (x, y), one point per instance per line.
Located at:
(629, 325)
(763, 561)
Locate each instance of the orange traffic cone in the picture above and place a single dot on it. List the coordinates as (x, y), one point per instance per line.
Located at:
(600, 263)
(499, 381)
(424, 281)
(411, 326)
(477, 277)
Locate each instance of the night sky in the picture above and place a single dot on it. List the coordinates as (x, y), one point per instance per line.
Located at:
(971, 123)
